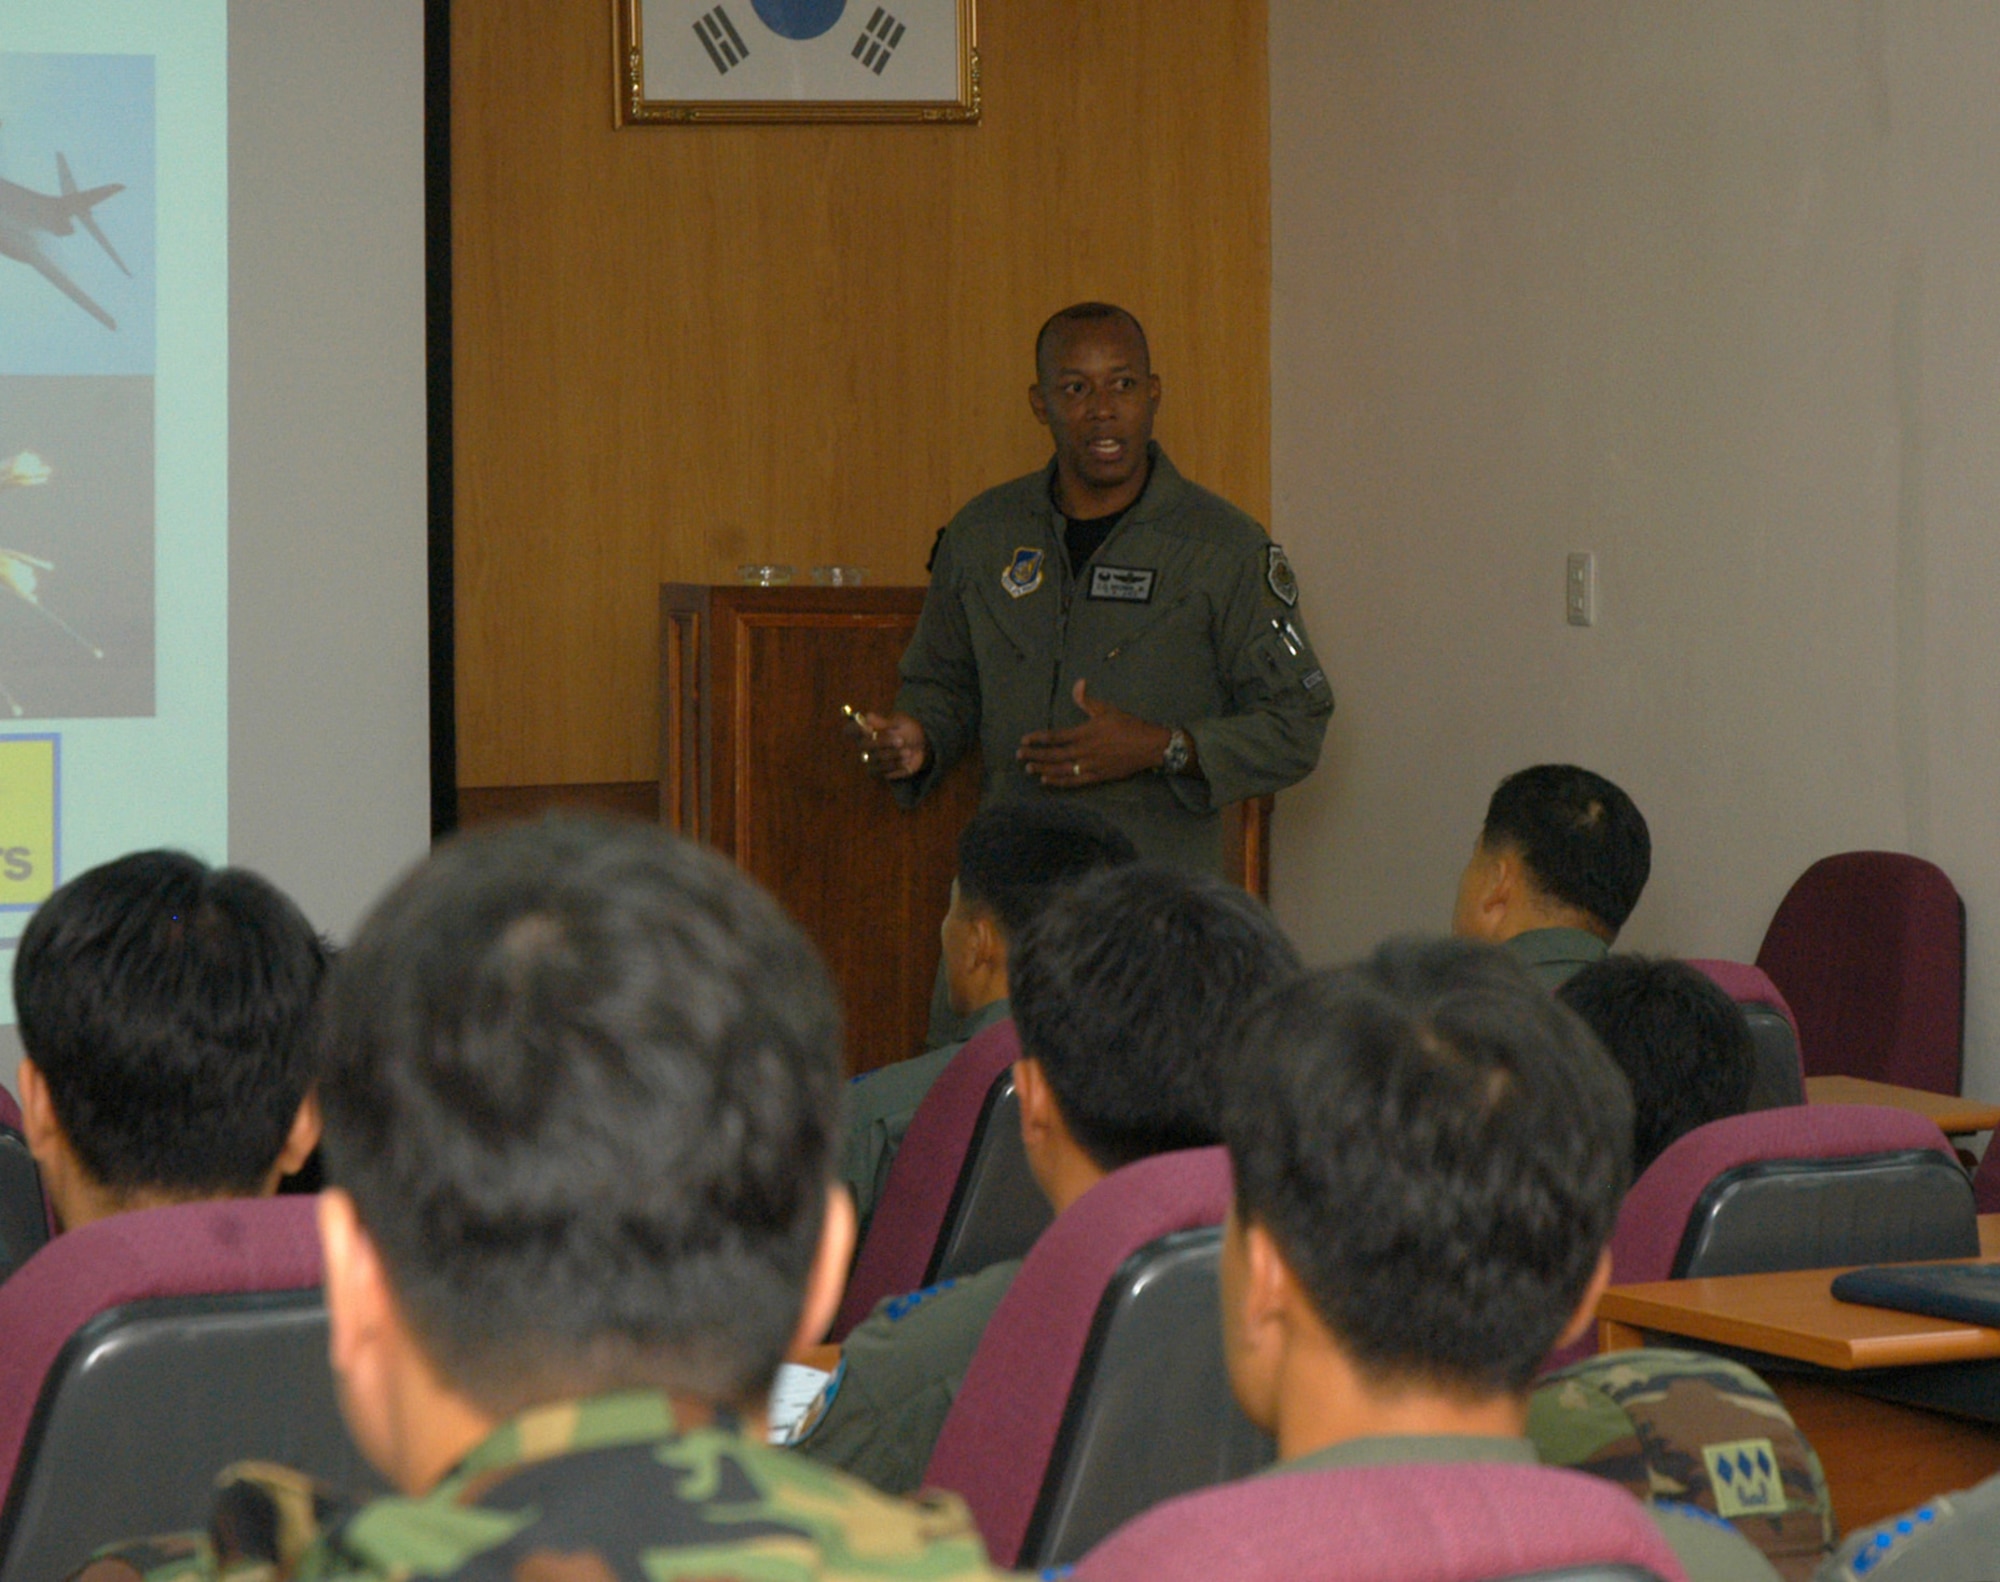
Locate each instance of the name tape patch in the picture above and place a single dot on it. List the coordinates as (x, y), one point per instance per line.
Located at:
(1122, 584)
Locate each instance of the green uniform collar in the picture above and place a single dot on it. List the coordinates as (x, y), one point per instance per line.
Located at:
(1164, 490)
(1385, 1449)
(978, 1021)
(1554, 955)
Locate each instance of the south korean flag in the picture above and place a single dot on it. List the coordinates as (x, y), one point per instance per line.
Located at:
(800, 49)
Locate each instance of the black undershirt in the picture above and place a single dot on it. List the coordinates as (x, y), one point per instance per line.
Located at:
(1083, 537)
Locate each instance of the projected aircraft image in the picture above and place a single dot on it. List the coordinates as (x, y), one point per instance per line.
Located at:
(76, 548)
(25, 215)
(77, 214)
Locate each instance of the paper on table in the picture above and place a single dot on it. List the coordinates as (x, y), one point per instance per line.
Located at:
(795, 1388)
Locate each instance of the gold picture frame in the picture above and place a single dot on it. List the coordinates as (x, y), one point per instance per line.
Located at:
(721, 61)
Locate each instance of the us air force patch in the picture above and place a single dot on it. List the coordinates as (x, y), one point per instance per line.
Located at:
(1278, 572)
(1024, 573)
(1124, 584)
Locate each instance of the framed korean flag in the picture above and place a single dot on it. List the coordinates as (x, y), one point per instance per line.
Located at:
(694, 61)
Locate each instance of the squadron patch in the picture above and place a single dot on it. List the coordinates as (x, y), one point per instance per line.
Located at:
(1024, 573)
(1278, 572)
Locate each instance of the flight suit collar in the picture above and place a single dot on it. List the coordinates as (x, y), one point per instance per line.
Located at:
(1164, 490)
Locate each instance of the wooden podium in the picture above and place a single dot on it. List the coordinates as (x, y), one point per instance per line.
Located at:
(756, 760)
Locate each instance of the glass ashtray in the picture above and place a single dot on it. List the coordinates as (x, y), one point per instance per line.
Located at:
(765, 576)
(840, 576)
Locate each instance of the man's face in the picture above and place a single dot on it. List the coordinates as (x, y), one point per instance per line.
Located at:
(1098, 395)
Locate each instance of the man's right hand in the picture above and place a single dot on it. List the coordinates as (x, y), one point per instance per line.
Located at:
(893, 745)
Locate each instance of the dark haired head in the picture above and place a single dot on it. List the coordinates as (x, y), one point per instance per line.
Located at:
(1582, 838)
(1013, 855)
(1682, 1043)
(1081, 313)
(1126, 988)
(1438, 1150)
(581, 1080)
(169, 1006)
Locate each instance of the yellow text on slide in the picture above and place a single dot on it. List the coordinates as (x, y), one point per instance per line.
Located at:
(27, 819)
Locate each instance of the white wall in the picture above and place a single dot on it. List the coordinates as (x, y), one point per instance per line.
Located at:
(329, 659)
(1712, 289)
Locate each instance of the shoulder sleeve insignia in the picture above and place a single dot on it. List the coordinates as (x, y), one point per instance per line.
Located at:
(930, 562)
(1023, 574)
(821, 1404)
(1278, 573)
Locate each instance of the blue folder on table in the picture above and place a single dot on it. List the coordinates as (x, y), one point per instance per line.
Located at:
(1968, 1292)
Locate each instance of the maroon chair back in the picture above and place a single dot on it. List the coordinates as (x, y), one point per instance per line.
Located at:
(1446, 1521)
(1869, 949)
(917, 1197)
(1986, 1182)
(1774, 1030)
(1653, 1221)
(190, 1249)
(997, 1440)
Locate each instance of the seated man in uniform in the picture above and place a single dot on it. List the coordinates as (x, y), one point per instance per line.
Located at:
(1011, 858)
(166, 1012)
(1556, 870)
(582, 1086)
(1124, 988)
(1429, 1157)
(1682, 1043)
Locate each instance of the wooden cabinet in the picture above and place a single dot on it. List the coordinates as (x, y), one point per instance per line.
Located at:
(755, 759)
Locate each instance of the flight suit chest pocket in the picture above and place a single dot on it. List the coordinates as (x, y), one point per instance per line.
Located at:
(1145, 632)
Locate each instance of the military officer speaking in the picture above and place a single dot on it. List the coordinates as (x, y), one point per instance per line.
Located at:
(1104, 628)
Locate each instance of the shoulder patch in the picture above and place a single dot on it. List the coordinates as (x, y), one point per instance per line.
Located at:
(1023, 574)
(1744, 1475)
(898, 1307)
(1278, 573)
(815, 1414)
(930, 561)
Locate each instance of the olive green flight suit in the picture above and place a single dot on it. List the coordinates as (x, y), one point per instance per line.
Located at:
(1185, 616)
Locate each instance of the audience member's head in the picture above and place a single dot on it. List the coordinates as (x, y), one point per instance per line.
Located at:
(1682, 1043)
(166, 1013)
(1561, 848)
(1127, 987)
(1429, 1155)
(582, 1082)
(1012, 857)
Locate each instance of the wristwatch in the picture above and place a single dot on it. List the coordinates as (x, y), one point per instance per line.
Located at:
(1179, 750)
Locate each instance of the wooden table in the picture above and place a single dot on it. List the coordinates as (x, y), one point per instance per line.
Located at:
(1955, 1116)
(1880, 1457)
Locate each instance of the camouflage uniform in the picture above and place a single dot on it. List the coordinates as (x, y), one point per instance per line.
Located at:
(624, 1485)
(1697, 1430)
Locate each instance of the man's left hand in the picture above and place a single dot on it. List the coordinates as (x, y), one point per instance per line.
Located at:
(1109, 745)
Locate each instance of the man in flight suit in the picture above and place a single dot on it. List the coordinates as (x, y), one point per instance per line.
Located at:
(1104, 628)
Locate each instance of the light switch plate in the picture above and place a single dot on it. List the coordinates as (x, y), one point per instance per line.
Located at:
(1580, 589)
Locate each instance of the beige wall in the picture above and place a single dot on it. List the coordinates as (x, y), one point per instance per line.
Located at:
(678, 349)
(1712, 290)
